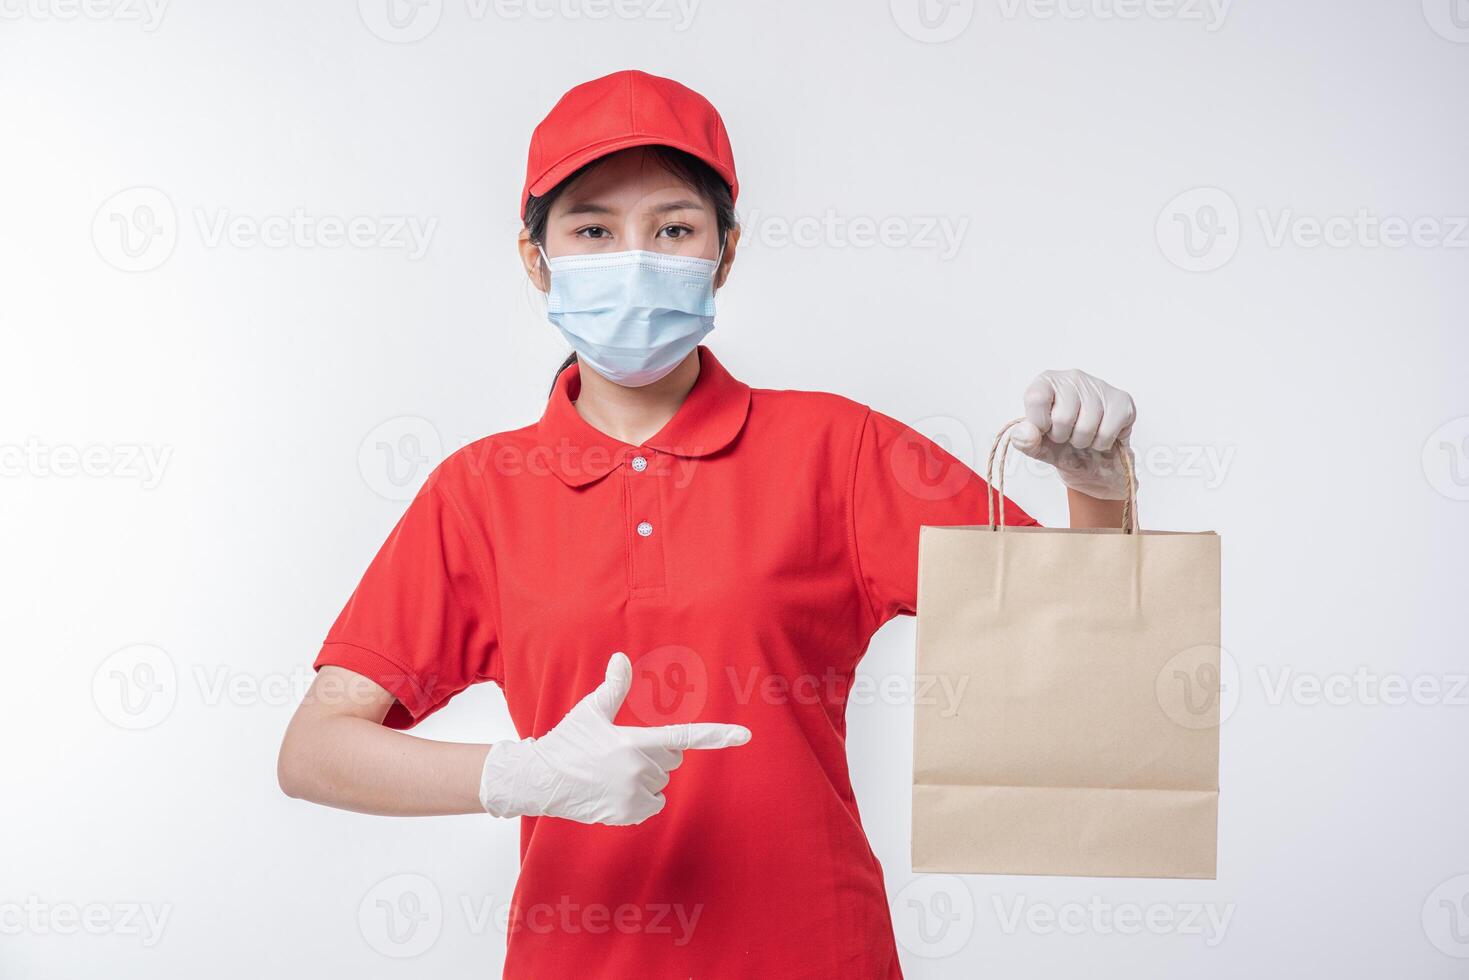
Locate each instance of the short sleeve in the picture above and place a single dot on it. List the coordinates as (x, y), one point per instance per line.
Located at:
(902, 480)
(422, 621)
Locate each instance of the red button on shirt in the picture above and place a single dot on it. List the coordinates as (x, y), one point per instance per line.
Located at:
(743, 566)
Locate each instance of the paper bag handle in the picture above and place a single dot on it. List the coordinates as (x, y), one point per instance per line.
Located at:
(995, 491)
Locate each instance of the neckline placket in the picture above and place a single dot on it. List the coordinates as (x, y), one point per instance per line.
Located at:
(643, 516)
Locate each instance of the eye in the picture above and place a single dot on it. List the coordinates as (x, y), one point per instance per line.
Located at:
(675, 232)
(593, 233)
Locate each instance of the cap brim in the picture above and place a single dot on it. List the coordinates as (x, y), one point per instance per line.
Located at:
(569, 165)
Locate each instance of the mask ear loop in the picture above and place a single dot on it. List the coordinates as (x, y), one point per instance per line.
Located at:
(719, 260)
(545, 264)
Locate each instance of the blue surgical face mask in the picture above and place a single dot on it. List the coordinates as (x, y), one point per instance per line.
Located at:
(633, 316)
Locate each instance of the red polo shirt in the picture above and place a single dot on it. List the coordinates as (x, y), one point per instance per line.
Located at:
(742, 557)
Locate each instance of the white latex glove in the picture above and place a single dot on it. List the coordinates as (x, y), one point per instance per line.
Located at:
(1079, 424)
(590, 770)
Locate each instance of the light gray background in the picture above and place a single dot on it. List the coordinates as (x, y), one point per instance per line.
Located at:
(1120, 173)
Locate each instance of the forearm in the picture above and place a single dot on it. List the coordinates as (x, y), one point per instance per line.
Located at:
(337, 752)
(1088, 511)
(355, 763)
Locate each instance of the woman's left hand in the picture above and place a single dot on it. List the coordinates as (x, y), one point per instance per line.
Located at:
(1080, 425)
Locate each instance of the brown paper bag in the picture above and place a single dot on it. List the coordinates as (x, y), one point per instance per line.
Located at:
(1081, 733)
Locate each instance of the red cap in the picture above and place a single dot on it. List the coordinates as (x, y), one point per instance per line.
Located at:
(614, 112)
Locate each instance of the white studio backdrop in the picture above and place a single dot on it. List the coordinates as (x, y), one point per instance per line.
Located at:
(258, 275)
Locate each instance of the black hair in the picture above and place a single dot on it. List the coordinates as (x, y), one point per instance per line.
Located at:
(701, 177)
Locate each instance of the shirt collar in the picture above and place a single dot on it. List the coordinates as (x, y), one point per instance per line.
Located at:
(711, 416)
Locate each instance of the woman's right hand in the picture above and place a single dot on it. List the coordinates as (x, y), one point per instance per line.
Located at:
(588, 769)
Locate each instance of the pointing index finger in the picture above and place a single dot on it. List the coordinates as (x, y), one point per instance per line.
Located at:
(691, 735)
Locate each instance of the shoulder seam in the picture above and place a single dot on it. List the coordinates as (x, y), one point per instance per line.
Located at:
(851, 504)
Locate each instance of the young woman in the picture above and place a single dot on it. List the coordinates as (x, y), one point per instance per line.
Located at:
(672, 576)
